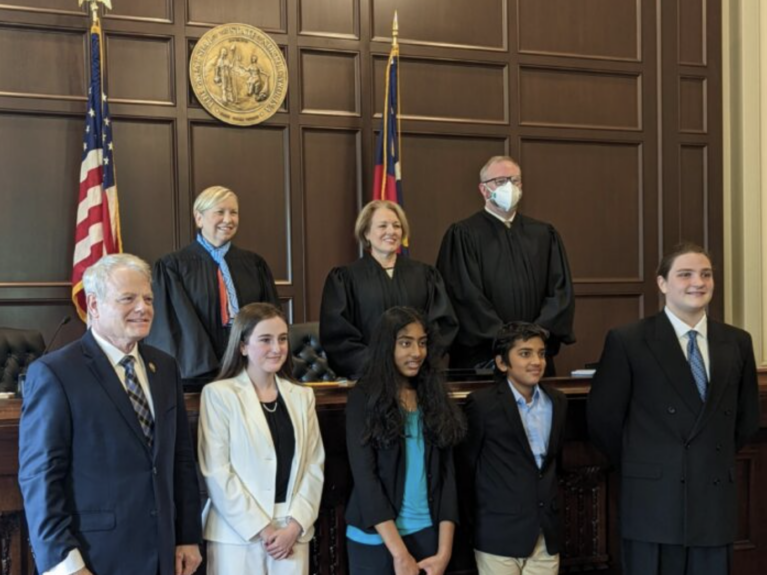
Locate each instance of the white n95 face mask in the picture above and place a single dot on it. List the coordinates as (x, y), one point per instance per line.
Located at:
(506, 196)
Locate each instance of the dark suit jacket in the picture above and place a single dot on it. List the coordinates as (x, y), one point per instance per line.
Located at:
(87, 475)
(512, 500)
(379, 474)
(676, 454)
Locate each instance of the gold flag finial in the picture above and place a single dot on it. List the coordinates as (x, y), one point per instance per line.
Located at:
(95, 7)
(394, 30)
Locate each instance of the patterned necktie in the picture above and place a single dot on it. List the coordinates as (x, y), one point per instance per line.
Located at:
(138, 399)
(696, 363)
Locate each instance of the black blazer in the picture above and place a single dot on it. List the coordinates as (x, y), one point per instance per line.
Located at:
(379, 474)
(512, 500)
(676, 454)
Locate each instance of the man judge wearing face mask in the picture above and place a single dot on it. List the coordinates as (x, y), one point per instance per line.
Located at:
(500, 266)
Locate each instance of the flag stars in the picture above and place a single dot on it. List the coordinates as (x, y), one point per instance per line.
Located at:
(88, 129)
(107, 121)
(92, 113)
(106, 161)
(103, 97)
(85, 147)
(109, 145)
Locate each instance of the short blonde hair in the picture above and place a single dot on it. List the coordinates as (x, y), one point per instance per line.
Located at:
(495, 160)
(211, 196)
(362, 226)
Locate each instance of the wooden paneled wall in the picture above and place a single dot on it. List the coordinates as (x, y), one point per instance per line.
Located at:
(613, 108)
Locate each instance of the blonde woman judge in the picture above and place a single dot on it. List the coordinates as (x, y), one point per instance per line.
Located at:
(261, 454)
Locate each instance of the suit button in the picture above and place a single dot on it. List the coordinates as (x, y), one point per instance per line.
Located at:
(153, 513)
(671, 409)
(154, 470)
(540, 504)
(540, 476)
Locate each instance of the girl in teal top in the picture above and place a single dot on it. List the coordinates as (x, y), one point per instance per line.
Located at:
(401, 427)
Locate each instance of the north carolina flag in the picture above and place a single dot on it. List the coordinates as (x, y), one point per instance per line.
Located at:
(387, 177)
(97, 232)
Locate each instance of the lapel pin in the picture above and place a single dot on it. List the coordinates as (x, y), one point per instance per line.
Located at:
(152, 367)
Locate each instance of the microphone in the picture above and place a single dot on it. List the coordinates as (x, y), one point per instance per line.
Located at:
(21, 379)
(64, 321)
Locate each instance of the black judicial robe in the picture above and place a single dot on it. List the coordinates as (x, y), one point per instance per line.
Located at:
(356, 295)
(496, 274)
(187, 306)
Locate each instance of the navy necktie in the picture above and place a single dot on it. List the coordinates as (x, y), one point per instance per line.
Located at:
(138, 399)
(697, 366)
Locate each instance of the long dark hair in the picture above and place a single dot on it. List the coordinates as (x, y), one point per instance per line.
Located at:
(444, 423)
(244, 323)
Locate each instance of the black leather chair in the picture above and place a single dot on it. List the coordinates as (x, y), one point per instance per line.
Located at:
(309, 360)
(18, 348)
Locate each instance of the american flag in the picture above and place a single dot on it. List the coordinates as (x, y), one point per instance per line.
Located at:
(97, 232)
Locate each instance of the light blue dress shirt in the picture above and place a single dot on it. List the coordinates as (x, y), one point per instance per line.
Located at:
(536, 419)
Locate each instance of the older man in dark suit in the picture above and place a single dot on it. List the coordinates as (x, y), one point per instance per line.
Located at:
(106, 466)
(674, 398)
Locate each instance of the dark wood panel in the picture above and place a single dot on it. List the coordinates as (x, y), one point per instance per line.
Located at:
(440, 176)
(692, 104)
(592, 193)
(44, 317)
(253, 163)
(436, 89)
(594, 317)
(140, 69)
(40, 62)
(330, 82)
(329, 17)
(52, 6)
(693, 188)
(588, 28)
(692, 31)
(146, 182)
(463, 23)
(267, 14)
(331, 175)
(40, 165)
(142, 9)
(577, 98)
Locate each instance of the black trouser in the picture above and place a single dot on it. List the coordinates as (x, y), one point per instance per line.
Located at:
(376, 559)
(643, 558)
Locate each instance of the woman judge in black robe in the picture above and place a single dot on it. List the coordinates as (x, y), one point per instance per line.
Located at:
(356, 295)
(199, 289)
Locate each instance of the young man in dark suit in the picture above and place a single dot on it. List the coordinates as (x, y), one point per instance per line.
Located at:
(675, 397)
(515, 434)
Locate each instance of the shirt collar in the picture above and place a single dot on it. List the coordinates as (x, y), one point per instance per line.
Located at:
(520, 398)
(497, 217)
(114, 355)
(681, 328)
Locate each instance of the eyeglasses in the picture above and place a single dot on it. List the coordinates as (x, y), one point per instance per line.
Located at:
(497, 182)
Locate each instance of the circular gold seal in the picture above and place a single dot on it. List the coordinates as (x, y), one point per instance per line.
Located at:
(238, 74)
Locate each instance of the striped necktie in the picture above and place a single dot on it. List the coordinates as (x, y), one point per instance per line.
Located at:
(696, 363)
(138, 399)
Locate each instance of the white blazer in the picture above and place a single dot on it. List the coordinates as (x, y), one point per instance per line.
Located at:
(239, 462)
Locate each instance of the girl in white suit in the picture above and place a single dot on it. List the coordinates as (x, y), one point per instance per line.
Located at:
(260, 452)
